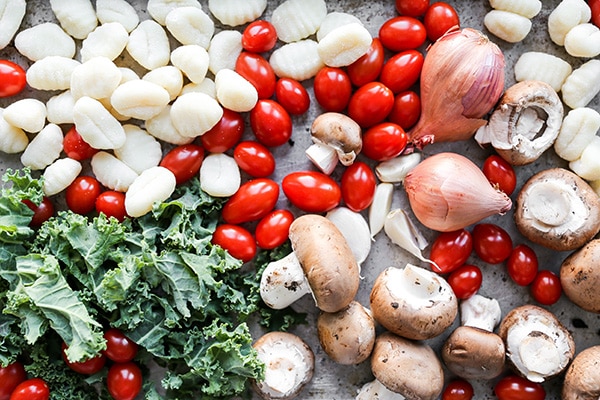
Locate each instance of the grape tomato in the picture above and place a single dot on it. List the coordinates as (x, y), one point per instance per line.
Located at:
(522, 265)
(252, 201)
(184, 161)
(491, 243)
(371, 104)
(595, 8)
(465, 281)
(368, 67)
(273, 229)
(254, 159)
(87, 367)
(238, 241)
(402, 33)
(119, 348)
(332, 88)
(513, 387)
(358, 185)
(31, 389)
(500, 173)
(292, 96)
(406, 110)
(81, 195)
(257, 70)
(546, 288)
(311, 191)
(259, 36)
(41, 212)
(458, 389)
(112, 204)
(13, 78)
(450, 250)
(10, 377)
(75, 147)
(124, 381)
(402, 70)
(225, 134)
(439, 18)
(271, 123)
(384, 141)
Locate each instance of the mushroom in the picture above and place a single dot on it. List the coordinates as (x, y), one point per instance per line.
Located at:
(579, 276)
(582, 380)
(558, 210)
(407, 367)
(321, 263)
(347, 336)
(473, 350)
(538, 346)
(289, 365)
(376, 390)
(525, 122)
(335, 137)
(413, 302)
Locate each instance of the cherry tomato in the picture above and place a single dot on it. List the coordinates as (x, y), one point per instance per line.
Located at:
(257, 70)
(292, 96)
(10, 377)
(12, 78)
(368, 67)
(500, 173)
(402, 33)
(184, 161)
(371, 104)
(311, 191)
(595, 7)
(254, 159)
(406, 110)
(450, 250)
(332, 88)
(259, 36)
(273, 229)
(465, 280)
(384, 141)
(31, 389)
(237, 240)
(546, 287)
(491, 243)
(412, 8)
(81, 195)
(75, 147)
(458, 389)
(270, 123)
(119, 348)
(439, 18)
(358, 186)
(253, 200)
(225, 134)
(112, 204)
(124, 380)
(41, 213)
(87, 367)
(402, 70)
(522, 265)
(513, 387)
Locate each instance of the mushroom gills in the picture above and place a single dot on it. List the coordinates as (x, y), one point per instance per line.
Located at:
(423, 288)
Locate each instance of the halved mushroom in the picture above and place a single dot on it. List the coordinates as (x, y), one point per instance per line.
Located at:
(582, 380)
(558, 210)
(580, 278)
(525, 122)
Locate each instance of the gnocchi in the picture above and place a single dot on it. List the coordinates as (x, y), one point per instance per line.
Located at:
(44, 149)
(583, 41)
(28, 114)
(60, 174)
(96, 78)
(59, 108)
(234, 92)
(234, 13)
(335, 20)
(582, 85)
(153, 185)
(138, 141)
(207, 86)
(139, 99)
(526, 8)
(117, 11)
(12, 139)
(161, 127)
(587, 166)
(149, 45)
(112, 172)
(108, 40)
(534, 65)
(194, 114)
(77, 17)
(298, 60)
(192, 60)
(190, 25)
(168, 77)
(220, 175)
(44, 40)
(11, 16)
(567, 15)
(344, 45)
(224, 50)
(295, 20)
(51, 73)
(159, 9)
(507, 25)
(578, 129)
(96, 125)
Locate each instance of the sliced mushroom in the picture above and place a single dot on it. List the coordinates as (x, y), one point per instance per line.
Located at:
(582, 380)
(525, 122)
(558, 210)
(580, 278)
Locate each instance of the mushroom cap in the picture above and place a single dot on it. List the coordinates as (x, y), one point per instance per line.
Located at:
(582, 380)
(557, 209)
(474, 353)
(327, 260)
(580, 278)
(347, 336)
(340, 132)
(407, 367)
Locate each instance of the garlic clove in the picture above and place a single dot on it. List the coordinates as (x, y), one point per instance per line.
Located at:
(395, 170)
(403, 232)
(380, 207)
(355, 229)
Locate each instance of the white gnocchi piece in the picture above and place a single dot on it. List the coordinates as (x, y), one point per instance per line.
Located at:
(567, 15)
(112, 172)
(526, 8)
(535, 65)
(220, 175)
(139, 99)
(77, 17)
(334, 20)
(162, 128)
(44, 148)
(577, 130)
(194, 114)
(295, 20)
(583, 41)
(59, 108)
(298, 60)
(190, 25)
(344, 45)
(117, 11)
(149, 45)
(169, 77)
(28, 114)
(152, 186)
(96, 78)
(12, 139)
(107, 40)
(582, 85)
(224, 49)
(51, 73)
(119, 117)
(159, 9)
(127, 74)
(235, 12)
(60, 174)
(140, 151)
(192, 60)
(43, 40)
(587, 166)
(507, 25)
(96, 125)
(11, 16)
(207, 86)
(235, 92)
(596, 186)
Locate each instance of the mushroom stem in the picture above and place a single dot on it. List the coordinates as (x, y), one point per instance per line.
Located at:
(480, 312)
(283, 282)
(323, 157)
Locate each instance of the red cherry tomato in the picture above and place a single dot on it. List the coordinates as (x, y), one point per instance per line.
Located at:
(253, 200)
(406, 110)
(81, 195)
(450, 250)
(402, 33)
(384, 141)
(332, 88)
(10, 377)
(254, 159)
(358, 184)
(184, 161)
(87, 367)
(124, 381)
(546, 287)
(75, 147)
(522, 265)
(402, 70)
(41, 213)
(439, 18)
(513, 387)
(465, 280)
(257, 70)
(491, 243)
(270, 123)
(595, 7)
(412, 8)
(458, 389)
(31, 389)
(311, 191)
(238, 241)
(119, 348)
(371, 104)
(111, 204)
(225, 134)
(368, 67)
(292, 96)
(12, 78)
(259, 36)
(500, 173)
(273, 229)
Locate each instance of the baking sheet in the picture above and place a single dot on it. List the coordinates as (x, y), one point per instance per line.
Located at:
(332, 381)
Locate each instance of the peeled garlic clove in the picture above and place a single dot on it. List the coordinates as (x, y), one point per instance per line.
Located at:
(380, 207)
(395, 170)
(403, 232)
(355, 229)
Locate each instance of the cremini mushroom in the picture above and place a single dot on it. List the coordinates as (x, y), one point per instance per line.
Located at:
(580, 278)
(558, 210)
(376, 390)
(538, 345)
(582, 380)
(289, 365)
(525, 123)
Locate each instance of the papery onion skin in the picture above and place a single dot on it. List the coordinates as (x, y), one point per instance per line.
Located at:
(447, 192)
(461, 81)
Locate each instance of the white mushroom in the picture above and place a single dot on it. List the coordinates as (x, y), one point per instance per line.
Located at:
(582, 380)
(580, 278)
